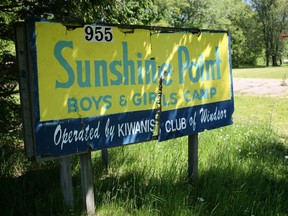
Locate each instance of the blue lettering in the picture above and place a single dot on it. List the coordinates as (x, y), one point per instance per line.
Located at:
(196, 69)
(137, 99)
(107, 99)
(212, 92)
(196, 95)
(82, 83)
(182, 66)
(173, 98)
(192, 78)
(116, 72)
(204, 93)
(186, 96)
(72, 105)
(97, 101)
(126, 65)
(139, 69)
(87, 101)
(150, 64)
(199, 94)
(103, 65)
(210, 66)
(60, 45)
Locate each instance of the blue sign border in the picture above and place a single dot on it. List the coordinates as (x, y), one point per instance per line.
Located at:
(54, 139)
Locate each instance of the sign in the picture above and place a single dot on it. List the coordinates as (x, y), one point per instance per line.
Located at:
(96, 87)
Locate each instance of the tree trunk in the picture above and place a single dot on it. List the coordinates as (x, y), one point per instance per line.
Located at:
(267, 48)
(274, 60)
(267, 58)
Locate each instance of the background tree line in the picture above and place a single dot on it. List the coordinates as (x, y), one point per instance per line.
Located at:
(255, 27)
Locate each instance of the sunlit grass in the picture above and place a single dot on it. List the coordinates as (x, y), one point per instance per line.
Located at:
(265, 73)
(263, 110)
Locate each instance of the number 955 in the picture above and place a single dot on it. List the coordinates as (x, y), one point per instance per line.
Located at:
(94, 33)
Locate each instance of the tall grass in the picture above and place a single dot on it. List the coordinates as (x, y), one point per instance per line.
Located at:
(243, 170)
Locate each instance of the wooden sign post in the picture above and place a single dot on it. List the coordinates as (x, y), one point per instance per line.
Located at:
(66, 181)
(105, 159)
(193, 158)
(87, 183)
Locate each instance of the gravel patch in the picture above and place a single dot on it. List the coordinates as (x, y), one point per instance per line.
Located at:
(260, 87)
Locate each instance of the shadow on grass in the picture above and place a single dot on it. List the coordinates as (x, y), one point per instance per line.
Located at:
(258, 66)
(249, 66)
(230, 192)
(28, 188)
(34, 193)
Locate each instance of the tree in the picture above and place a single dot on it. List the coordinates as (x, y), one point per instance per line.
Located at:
(234, 16)
(272, 15)
(187, 13)
(10, 110)
(238, 18)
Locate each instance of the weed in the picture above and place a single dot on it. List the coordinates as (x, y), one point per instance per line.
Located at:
(284, 82)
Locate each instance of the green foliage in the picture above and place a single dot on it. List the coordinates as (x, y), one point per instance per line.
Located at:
(187, 13)
(9, 105)
(236, 17)
(134, 12)
(232, 15)
(272, 18)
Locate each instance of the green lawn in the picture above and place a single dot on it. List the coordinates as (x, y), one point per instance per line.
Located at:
(263, 72)
(259, 110)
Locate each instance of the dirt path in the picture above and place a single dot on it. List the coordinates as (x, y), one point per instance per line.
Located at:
(263, 87)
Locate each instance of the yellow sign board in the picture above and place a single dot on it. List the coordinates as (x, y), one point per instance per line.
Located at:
(103, 70)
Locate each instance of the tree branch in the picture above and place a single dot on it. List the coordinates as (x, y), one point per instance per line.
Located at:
(8, 7)
(6, 94)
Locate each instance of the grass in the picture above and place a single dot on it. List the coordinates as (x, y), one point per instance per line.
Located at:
(261, 110)
(243, 170)
(262, 72)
